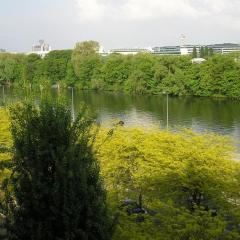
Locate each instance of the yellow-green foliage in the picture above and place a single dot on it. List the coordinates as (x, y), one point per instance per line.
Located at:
(169, 169)
(5, 142)
(5, 137)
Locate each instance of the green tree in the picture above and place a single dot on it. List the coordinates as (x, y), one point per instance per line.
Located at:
(30, 69)
(85, 59)
(55, 65)
(137, 82)
(202, 52)
(194, 54)
(57, 190)
(211, 52)
(11, 68)
(206, 51)
(187, 179)
(71, 78)
(114, 71)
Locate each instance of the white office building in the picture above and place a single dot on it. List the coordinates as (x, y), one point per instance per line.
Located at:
(130, 51)
(41, 49)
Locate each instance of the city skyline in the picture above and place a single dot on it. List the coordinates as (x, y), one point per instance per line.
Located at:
(127, 23)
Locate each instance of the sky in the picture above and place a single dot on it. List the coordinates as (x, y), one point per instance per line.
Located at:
(117, 23)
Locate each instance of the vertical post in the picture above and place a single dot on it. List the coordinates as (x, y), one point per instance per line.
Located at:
(73, 111)
(167, 111)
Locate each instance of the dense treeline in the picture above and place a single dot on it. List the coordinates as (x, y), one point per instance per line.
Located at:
(84, 68)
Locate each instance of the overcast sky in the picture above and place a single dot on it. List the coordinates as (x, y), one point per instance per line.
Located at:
(117, 23)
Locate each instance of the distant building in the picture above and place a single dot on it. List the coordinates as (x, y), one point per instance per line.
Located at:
(175, 50)
(2, 50)
(130, 51)
(225, 48)
(102, 52)
(188, 49)
(167, 50)
(42, 48)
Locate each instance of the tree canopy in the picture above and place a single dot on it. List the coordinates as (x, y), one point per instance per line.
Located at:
(55, 191)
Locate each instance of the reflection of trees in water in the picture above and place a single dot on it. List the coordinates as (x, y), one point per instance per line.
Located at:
(219, 112)
(214, 111)
(207, 111)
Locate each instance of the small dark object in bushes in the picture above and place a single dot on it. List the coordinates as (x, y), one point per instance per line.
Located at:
(140, 219)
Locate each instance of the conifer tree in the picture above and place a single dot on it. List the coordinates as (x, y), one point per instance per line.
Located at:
(202, 52)
(206, 51)
(195, 52)
(210, 52)
(57, 191)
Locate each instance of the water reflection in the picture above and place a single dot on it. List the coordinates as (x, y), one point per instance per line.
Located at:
(200, 114)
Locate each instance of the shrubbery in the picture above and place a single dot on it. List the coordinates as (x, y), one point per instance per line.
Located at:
(188, 184)
(160, 184)
(54, 191)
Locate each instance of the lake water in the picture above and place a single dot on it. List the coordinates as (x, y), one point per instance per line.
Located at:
(200, 114)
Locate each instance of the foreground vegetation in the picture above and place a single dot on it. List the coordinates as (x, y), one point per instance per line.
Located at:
(160, 185)
(55, 191)
(144, 73)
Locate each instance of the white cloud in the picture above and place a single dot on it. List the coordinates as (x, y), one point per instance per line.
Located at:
(91, 9)
(142, 9)
(158, 9)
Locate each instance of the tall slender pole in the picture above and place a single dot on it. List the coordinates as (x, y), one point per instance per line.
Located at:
(167, 111)
(73, 111)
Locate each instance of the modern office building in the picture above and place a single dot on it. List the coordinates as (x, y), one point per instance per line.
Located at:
(188, 49)
(42, 48)
(175, 50)
(225, 48)
(130, 51)
(167, 50)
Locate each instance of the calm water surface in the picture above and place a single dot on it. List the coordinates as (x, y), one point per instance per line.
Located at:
(200, 114)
